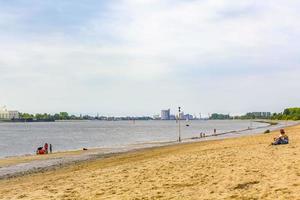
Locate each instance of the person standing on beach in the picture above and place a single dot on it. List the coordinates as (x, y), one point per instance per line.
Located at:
(46, 148)
(215, 131)
(50, 148)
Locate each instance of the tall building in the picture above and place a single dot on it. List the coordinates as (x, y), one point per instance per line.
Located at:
(165, 114)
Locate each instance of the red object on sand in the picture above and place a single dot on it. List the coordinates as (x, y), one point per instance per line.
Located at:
(41, 151)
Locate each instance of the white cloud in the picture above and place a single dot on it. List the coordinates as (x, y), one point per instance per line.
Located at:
(192, 53)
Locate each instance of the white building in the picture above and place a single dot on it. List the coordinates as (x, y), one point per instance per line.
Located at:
(4, 114)
(7, 114)
(13, 114)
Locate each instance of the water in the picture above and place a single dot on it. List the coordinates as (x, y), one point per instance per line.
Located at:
(24, 138)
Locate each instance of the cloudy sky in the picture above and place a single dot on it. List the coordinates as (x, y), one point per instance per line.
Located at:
(134, 57)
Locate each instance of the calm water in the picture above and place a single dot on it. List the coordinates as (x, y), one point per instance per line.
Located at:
(24, 138)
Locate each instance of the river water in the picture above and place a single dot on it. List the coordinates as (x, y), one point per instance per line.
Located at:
(24, 138)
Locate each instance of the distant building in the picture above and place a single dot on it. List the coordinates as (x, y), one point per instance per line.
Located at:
(13, 114)
(188, 117)
(6, 114)
(156, 117)
(165, 114)
(172, 117)
(181, 115)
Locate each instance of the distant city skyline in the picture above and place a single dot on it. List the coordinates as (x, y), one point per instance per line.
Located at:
(166, 114)
(163, 113)
(134, 58)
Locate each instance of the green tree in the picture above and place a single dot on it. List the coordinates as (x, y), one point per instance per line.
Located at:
(26, 116)
(64, 116)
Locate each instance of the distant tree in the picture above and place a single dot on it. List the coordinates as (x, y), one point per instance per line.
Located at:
(64, 116)
(26, 116)
(56, 116)
(216, 116)
(73, 117)
(288, 114)
(286, 111)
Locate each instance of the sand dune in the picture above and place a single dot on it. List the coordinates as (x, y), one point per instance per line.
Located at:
(239, 168)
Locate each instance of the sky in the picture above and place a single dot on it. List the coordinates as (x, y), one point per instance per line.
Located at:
(134, 57)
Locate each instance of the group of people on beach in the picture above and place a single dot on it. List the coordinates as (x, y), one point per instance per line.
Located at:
(44, 150)
(202, 135)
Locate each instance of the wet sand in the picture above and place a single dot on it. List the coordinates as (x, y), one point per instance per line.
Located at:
(237, 168)
(16, 166)
(14, 160)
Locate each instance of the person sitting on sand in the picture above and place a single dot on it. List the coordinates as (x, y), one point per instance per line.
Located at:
(282, 139)
(40, 150)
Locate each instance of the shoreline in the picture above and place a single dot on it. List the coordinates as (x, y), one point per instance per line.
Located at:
(104, 135)
(16, 166)
(158, 142)
(233, 168)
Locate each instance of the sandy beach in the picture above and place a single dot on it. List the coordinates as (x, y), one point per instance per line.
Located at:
(236, 168)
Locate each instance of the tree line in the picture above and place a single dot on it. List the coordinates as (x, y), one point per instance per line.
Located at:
(47, 117)
(287, 114)
(67, 116)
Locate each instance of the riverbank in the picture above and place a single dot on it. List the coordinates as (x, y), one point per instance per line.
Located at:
(21, 165)
(237, 168)
(65, 136)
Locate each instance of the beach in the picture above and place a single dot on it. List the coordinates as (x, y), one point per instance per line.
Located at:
(235, 168)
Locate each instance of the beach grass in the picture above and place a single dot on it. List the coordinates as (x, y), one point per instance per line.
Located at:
(237, 168)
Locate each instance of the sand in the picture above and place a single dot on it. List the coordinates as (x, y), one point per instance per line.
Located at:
(238, 168)
(23, 165)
